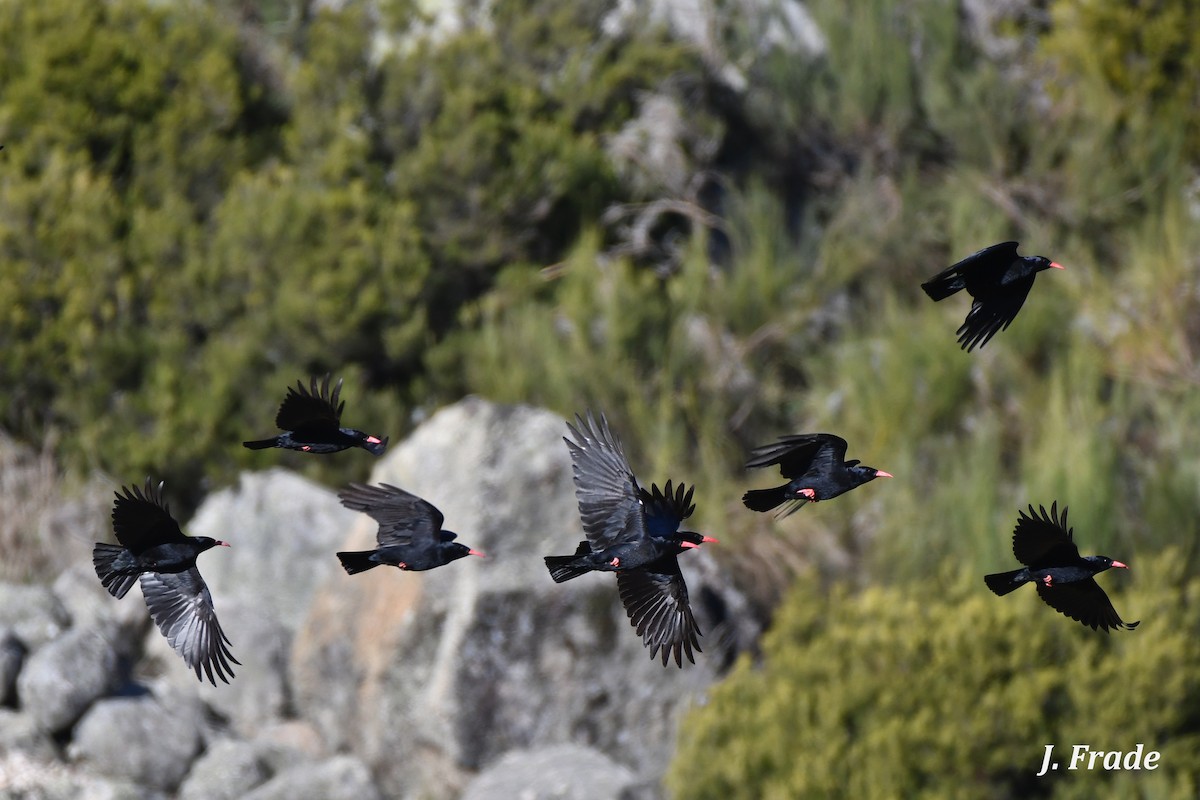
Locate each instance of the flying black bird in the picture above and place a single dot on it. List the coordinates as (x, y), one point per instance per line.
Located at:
(816, 468)
(999, 281)
(154, 549)
(634, 533)
(410, 531)
(311, 422)
(1046, 546)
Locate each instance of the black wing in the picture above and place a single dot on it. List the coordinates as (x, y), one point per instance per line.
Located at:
(1044, 540)
(182, 608)
(656, 599)
(403, 518)
(605, 487)
(142, 520)
(800, 453)
(992, 311)
(665, 510)
(303, 408)
(1084, 601)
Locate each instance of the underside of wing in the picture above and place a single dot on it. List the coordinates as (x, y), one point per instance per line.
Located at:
(656, 600)
(605, 487)
(1084, 601)
(182, 608)
(141, 519)
(403, 517)
(307, 407)
(992, 313)
(798, 453)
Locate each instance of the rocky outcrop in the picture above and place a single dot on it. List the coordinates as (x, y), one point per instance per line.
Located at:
(386, 683)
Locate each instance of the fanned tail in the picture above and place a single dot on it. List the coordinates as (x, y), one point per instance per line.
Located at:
(563, 568)
(115, 568)
(1004, 582)
(355, 561)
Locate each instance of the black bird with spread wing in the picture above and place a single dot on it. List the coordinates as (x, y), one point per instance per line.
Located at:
(999, 281)
(1064, 579)
(154, 549)
(816, 466)
(311, 423)
(634, 533)
(410, 532)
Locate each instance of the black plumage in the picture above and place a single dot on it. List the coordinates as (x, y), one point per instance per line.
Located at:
(634, 533)
(1064, 579)
(816, 466)
(410, 534)
(999, 281)
(154, 549)
(310, 419)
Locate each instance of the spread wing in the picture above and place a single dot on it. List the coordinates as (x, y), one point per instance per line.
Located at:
(142, 520)
(800, 453)
(303, 408)
(656, 599)
(182, 608)
(1084, 601)
(605, 487)
(403, 518)
(1044, 540)
(665, 510)
(992, 311)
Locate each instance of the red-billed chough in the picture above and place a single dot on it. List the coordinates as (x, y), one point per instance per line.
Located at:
(311, 423)
(999, 281)
(634, 533)
(1046, 546)
(816, 468)
(154, 548)
(410, 532)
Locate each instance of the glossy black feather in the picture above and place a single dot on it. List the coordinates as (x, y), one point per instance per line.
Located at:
(815, 466)
(410, 534)
(310, 418)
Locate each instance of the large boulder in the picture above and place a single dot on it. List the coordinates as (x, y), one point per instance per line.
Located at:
(283, 530)
(560, 772)
(88, 604)
(32, 613)
(432, 676)
(227, 771)
(145, 740)
(60, 680)
(339, 778)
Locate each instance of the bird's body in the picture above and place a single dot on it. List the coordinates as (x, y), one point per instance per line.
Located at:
(310, 419)
(1064, 579)
(998, 280)
(635, 534)
(815, 466)
(410, 534)
(155, 551)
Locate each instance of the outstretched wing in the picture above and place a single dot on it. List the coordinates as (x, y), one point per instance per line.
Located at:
(304, 408)
(182, 609)
(1084, 601)
(992, 311)
(665, 510)
(605, 487)
(656, 599)
(403, 517)
(801, 453)
(1044, 540)
(142, 520)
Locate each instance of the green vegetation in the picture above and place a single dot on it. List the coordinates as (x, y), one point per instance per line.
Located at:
(940, 690)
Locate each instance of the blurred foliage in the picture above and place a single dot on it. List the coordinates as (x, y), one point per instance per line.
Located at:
(939, 689)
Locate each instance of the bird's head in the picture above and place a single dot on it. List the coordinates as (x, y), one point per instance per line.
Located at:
(862, 473)
(455, 551)
(372, 444)
(203, 543)
(1040, 263)
(1101, 563)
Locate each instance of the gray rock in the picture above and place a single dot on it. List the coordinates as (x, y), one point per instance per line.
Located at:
(60, 680)
(88, 605)
(26, 778)
(146, 740)
(559, 772)
(12, 656)
(32, 613)
(466, 662)
(339, 778)
(19, 733)
(227, 771)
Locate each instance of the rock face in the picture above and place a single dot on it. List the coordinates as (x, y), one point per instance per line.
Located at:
(464, 663)
(60, 680)
(562, 772)
(144, 740)
(32, 613)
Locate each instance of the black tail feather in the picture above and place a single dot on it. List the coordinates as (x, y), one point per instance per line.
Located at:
(562, 567)
(1004, 582)
(113, 566)
(764, 499)
(355, 561)
(944, 285)
(260, 444)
